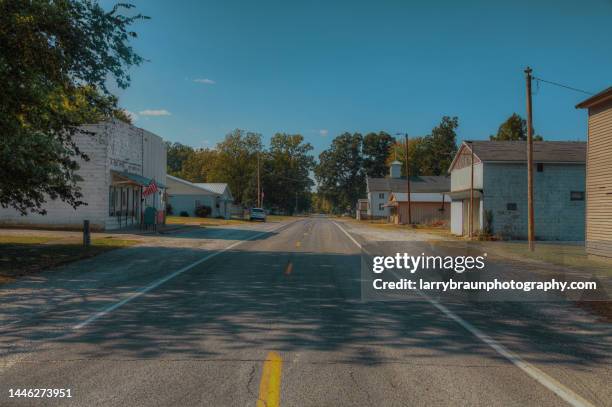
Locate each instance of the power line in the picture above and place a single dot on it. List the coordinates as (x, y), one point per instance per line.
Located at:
(562, 86)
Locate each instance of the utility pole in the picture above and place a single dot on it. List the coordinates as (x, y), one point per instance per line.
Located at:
(258, 184)
(408, 181)
(530, 222)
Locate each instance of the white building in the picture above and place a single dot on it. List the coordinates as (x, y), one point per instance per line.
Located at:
(185, 196)
(123, 160)
(379, 190)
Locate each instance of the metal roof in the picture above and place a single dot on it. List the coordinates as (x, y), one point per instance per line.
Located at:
(420, 197)
(421, 183)
(214, 187)
(137, 179)
(543, 151)
(594, 100)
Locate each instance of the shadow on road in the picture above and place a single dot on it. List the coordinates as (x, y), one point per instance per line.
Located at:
(244, 300)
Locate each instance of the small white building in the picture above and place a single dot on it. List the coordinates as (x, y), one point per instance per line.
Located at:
(123, 160)
(185, 196)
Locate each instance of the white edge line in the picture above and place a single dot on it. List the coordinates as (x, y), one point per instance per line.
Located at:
(544, 379)
(157, 283)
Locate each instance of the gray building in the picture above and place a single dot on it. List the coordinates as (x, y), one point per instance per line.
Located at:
(185, 196)
(499, 173)
(379, 190)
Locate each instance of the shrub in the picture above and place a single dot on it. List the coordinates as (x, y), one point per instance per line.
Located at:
(169, 209)
(184, 214)
(203, 211)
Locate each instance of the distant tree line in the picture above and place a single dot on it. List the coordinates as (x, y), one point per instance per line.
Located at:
(340, 172)
(284, 168)
(342, 169)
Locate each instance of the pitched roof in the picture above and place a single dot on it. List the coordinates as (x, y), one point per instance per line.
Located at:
(423, 197)
(543, 151)
(421, 183)
(189, 183)
(215, 187)
(594, 100)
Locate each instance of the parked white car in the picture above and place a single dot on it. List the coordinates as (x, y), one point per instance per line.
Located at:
(257, 214)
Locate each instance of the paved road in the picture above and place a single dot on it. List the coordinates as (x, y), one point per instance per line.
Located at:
(277, 306)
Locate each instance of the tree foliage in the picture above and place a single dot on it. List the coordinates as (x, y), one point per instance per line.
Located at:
(340, 174)
(286, 168)
(236, 164)
(440, 147)
(55, 61)
(376, 147)
(431, 154)
(176, 155)
(513, 129)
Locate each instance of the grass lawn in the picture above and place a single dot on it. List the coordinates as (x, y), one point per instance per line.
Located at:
(192, 220)
(25, 255)
(384, 225)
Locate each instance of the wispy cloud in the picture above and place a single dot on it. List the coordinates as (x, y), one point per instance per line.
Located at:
(160, 112)
(205, 81)
(323, 132)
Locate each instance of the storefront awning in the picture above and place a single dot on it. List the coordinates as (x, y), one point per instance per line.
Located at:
(136, 179)
(464, 194)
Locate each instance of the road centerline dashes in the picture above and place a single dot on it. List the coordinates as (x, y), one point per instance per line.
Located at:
(157, 283)
(270, 384)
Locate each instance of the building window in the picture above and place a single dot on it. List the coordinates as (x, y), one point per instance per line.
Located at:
(577, 196)
(381, 195)
(540, 167)
(381, 206)
(511, 206)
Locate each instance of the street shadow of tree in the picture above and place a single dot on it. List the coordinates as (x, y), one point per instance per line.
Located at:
(243, 300)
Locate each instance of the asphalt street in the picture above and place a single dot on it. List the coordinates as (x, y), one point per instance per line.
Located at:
(271, 314)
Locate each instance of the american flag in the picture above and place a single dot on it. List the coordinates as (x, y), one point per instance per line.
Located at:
(150, 189)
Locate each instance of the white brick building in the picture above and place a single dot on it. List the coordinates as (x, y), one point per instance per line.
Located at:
(123, 159)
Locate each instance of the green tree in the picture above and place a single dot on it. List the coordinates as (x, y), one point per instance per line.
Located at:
(236, 164)
(286, 170)
(513, 129)
(439, 147)
(339, 174)
(199, 165)
(376, 148)
(416, 155)
(56, 59)
(177, 154)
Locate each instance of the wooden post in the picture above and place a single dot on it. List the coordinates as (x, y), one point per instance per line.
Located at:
(86, 233)
(408, 181)
(531, 220)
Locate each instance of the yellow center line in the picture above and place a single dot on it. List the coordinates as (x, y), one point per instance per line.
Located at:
(269, 387)
(288, 268)
(298, 244)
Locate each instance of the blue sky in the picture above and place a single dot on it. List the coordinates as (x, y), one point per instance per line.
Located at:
(323, 67)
